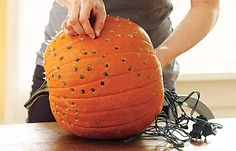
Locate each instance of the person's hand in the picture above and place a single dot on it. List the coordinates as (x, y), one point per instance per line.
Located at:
(79, 12)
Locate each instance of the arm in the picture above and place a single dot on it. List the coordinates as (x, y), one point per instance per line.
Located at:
(79, 11)
(193, 28)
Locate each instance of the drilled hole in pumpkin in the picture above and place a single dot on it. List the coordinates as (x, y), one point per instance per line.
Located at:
(116, 47)
(93, 89)
(107, 39)
(72, 90)
(102, 83)
(138, 54)
(72, 103)
(106, 65)
(82, 91)
(77, 59)
(140, 48)
(62, 36)
(75, 69)
(118, 35)
(76, 120)
(68, 46)
(58, 76)
(123, 59)
(94, 51)
(52, 75)
(149, 77)
(53, 49)
(139, 75)
(130, 36)
(130, 69)
(89, 68)
(105, 74)
(75, 111)
(61, 58)
(111, 31)
(65, 114)
(56, 67)
(145, 62)
(63, 83)
(54, 54)
(85, 52)
(102, 56)
(82, 76)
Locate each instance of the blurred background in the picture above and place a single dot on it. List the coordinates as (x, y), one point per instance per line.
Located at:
(210, 67)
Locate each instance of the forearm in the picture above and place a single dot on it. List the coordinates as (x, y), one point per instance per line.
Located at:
(194, 27)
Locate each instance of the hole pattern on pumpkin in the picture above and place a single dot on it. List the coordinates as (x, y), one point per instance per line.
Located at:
(93, 89)
(82, 76)
(56, 67)
(139, 75)
(116, 47)
(75, 69)
(77, 59)
(82, 91)
(123, 59)
(85, 52)
(72, 90)
(94, 51)
(68, 46)
(102, 56)
(89, 68)
(63, 83)
(102, 83)
(107, 40)
(105, 74)
(130, 36)
(130, 69)
(61, 58)
(118, 35)
(72, 104)
(58, 76)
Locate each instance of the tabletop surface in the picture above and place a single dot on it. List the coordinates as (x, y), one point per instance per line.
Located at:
(51, 137)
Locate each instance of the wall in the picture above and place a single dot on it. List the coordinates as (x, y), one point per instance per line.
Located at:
(218, 91)
(2, 55)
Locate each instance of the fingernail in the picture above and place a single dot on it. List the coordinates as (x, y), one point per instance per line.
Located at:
(91, 36)
(98, 32)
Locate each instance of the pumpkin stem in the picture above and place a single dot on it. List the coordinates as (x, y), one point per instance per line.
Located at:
(41, 91)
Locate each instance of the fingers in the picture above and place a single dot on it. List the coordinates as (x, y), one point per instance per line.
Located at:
(99, 21)
(86, 9)
(73, 21)
(79, 13)
(68, 30)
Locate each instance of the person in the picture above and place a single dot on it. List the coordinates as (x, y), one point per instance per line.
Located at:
(153, 15)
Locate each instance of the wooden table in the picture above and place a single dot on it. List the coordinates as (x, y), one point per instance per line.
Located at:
(50, 137)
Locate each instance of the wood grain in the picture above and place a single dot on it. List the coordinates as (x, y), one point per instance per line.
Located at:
(50, 137)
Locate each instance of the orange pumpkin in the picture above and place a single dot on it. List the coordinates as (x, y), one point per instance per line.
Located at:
(109, 87)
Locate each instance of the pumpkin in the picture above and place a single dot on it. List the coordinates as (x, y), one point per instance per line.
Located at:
(104, 88)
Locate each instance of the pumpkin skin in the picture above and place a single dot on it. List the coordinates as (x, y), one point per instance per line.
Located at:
(104, 88)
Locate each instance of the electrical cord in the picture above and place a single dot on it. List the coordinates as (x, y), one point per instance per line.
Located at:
(175, 132)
